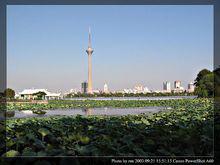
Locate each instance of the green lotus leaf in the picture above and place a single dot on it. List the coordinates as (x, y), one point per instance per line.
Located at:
(28, 152)
(11, 153)
(44, 131)
(41, 153)
(84, 139)
(39, 144)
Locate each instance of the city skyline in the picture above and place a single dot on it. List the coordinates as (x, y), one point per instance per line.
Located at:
(127, 53)
(165, 88)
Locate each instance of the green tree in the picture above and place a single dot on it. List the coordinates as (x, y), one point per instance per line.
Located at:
(9, 93)
(205, 86)
(217, 81)
(200, 75)
(1, 94)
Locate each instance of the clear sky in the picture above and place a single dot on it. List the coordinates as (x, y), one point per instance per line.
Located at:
(46, 45)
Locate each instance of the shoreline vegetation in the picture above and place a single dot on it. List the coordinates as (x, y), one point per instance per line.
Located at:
(71, 104)
(185, 130)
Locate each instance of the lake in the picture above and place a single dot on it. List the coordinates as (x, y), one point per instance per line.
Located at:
(91, 111)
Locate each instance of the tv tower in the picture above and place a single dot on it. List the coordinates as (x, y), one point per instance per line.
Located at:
(89, 51)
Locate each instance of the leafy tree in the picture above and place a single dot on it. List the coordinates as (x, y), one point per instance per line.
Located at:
(205, 86)
(9, 93)
(217, 81)
(200, 75)
(1, 94)
(201, 91)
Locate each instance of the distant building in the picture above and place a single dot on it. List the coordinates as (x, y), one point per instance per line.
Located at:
(84, 87)
(17, 96)
(177, 84)
(138, 88)
(97, 91)
(177, 87)
(158, 91)
(128, 91)
(146, 90)
(167, 87)
(191, 87)
(74, 91)
(106, 88)
(178, 90)
(31, 94)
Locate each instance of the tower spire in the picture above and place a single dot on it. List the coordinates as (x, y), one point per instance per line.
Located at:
(90, 45)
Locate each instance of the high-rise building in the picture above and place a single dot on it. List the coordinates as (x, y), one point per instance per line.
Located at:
(177, 84)
(106, 88)
(166, 86)
(177, 87)
(84, 87)
(89, 51)
(191, 87)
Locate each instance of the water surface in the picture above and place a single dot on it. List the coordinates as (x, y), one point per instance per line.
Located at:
(90, 111)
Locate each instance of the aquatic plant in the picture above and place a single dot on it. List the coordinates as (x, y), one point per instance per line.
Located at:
(186, 129)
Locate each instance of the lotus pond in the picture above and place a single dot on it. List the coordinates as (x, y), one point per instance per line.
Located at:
(186, 129)
(85, 112)
(70, 104)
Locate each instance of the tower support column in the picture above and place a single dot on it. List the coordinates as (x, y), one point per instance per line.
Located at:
(89, 73)
(89, 51)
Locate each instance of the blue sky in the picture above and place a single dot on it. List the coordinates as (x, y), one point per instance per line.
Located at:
(132, 45)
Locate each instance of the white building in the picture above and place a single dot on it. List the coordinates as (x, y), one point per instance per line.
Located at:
(74, 91)
(96, 91)
(138, 88)
(191, 87)
(16, 96)
(106, 88)
(127, 90)
(146, 90)
(178, 90)
(158, 91)
(166, 87)
(30, 94)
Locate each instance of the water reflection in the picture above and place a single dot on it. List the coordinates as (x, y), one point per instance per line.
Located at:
(90, 111)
